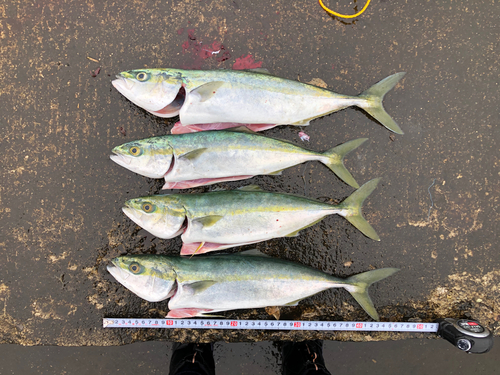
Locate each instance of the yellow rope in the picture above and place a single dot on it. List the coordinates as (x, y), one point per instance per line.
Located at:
(344, 15)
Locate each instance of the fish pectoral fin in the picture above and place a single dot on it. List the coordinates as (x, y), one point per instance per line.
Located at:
(258, 70)
(198, 286)
(191, 155)
(250, 188)
(207, 90)
(296, 233)
(208, 221)
(253, 253)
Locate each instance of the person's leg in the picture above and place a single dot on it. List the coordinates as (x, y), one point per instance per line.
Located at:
(192, 359)
(303, 358)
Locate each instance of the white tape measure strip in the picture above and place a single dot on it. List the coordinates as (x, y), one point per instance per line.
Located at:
(284, 325)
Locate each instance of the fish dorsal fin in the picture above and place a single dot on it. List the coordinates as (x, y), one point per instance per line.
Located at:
(240, 129)
(199, 286)
(207, 90)
(250, 188)
(208, 221)
(191, 155)
(258, 70)
(253, 253)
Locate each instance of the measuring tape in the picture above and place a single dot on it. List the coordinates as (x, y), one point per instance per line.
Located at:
(288, 325)
(466, 334)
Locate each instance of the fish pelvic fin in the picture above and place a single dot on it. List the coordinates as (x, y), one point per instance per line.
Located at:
(352, 209)
(374, 97)
(335, 160)
(359, 287)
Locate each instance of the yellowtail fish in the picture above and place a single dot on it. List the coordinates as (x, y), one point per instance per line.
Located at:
(204, 285)
(218, 99)
(196, 159)
(224, 219)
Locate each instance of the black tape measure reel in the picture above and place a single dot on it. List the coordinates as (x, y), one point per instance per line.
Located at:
(467, 335)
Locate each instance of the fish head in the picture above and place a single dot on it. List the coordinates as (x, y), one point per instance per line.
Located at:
(161, 215)
(150, 157)
(151, 278)
(151, 89)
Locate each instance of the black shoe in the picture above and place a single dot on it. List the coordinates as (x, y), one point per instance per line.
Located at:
(303, 358)
(192, 359)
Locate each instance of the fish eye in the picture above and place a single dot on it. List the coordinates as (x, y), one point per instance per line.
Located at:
(141, 76)
(134, 267)
(135, 151)
(148, 207)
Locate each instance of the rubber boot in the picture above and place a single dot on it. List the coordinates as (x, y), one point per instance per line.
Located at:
(192, 359)
(303, 358)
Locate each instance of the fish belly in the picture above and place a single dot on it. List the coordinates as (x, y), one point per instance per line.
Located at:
(257, 107)
(255, 226)
(246, 294)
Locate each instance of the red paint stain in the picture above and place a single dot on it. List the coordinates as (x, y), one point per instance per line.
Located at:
(180, 31)
(246, 62)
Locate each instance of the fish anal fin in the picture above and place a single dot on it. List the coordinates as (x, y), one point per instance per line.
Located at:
(191, 155)
(207, 90)
(302, 122)
(277, 173)
(293, 303)
(296, 233)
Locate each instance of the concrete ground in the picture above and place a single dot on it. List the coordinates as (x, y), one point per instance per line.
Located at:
(436, 209)
(412, 357)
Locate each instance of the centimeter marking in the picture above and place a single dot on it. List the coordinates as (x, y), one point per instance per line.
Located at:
(288, 325)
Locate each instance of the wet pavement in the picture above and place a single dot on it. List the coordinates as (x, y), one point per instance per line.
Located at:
(436, 209)
(419, 356)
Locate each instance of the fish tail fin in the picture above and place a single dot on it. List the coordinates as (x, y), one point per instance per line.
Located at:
(336, 160)
(359, 287)
(351, 209)
(374, 96)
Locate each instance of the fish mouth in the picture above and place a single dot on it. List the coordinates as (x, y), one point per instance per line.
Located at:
(121, 159)
(132, 214)
(122, 84)
(117, 272)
